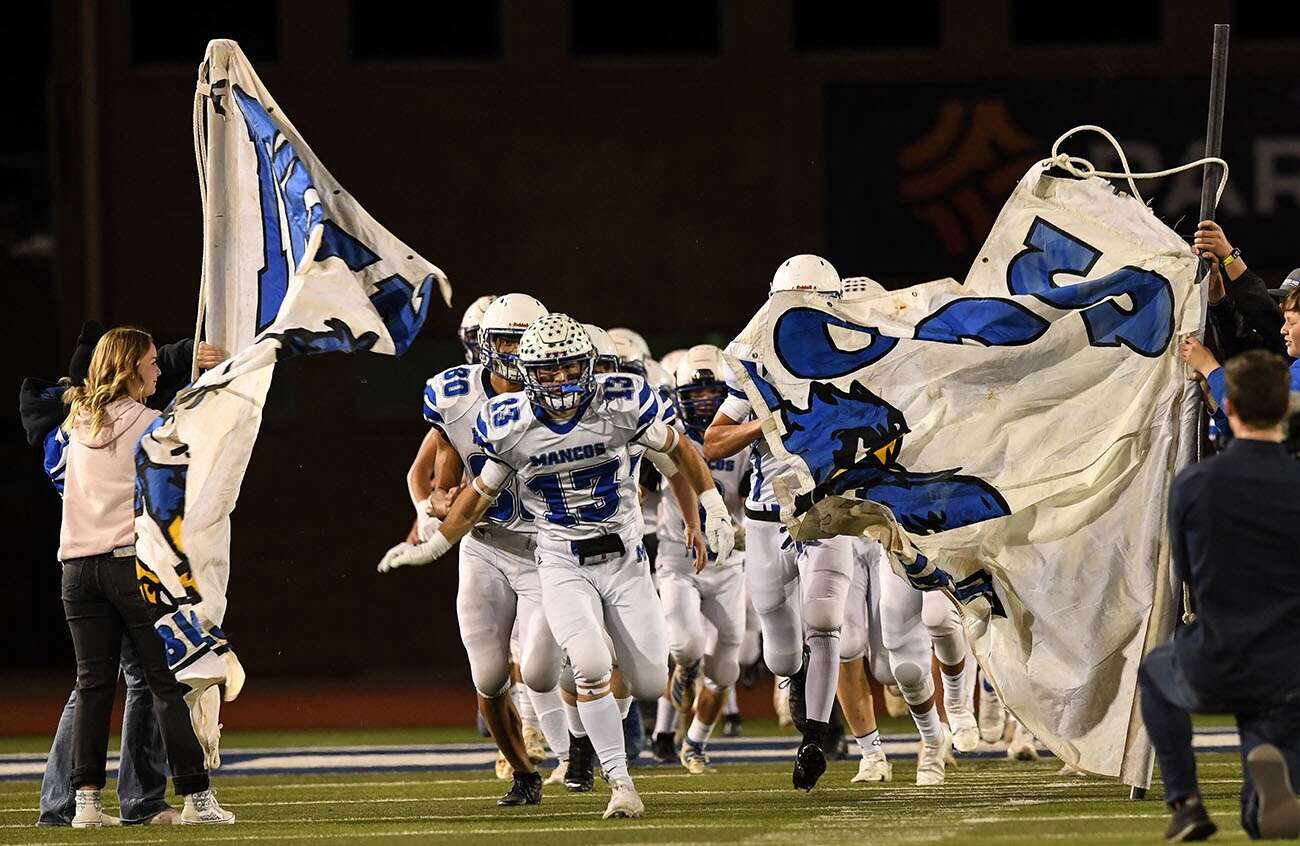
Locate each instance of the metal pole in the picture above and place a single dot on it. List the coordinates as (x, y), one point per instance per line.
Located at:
(1209, 185)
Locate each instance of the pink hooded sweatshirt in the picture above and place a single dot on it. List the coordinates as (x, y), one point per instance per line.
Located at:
(99, 488)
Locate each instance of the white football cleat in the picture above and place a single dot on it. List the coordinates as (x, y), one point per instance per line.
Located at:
(90, 813)
(873, 769)
(992, 716)
(504, 771)
(965, 730)
(557, 775)
(693, 758)
(202, 809)
(930, 762)
(1071, 770)
(1021, 746)
(535, 744)
(623, 800)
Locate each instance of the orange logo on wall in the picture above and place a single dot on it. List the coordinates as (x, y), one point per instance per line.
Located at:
(959, 174)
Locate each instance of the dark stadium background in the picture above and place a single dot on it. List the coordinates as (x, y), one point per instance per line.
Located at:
(643, 163)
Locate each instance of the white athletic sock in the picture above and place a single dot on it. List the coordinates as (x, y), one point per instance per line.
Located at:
(665, 716)
(550, 715)
(624, 705)
(605, 729)
(524, 702)
(573, 715)
(954, 687)
(731, 706)
(870, 746)
(823, 674)
(699, 732)
(929, 726)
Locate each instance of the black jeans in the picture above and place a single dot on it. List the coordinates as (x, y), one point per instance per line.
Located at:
(1168, 702)
(102, 603)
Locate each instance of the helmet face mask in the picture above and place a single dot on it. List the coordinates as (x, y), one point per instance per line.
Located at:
(469, 340)
(502, 327)
(558, 362)
(701, 386)
(499, 353)
(563, 384)
(469, 326)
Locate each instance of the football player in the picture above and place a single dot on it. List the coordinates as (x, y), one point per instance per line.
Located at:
(564, 441)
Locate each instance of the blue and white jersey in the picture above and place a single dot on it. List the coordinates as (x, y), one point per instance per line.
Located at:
(56, 457)
(452, 401)
(727, 474)
(765, 466)
(577, 476)
(650, 502)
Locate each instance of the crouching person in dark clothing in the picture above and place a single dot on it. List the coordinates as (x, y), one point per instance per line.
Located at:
(1234, 527)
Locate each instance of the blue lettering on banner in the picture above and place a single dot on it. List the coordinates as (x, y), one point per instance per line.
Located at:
(1146, 328)
(283, 180)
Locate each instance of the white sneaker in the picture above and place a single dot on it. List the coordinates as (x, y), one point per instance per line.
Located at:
(1071, 770)
(965, 731)
(623, 800)
(895, 704)
(693, 758)
(1021, 747)
(201, 808)
(873, 769)
(992, 716)
(535, 744)
(504, 771)
(930, 762)
(557, 775)
(90, 813)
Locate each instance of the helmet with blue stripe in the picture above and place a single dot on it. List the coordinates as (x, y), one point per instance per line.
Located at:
(558, 362)
(701, 385)
(500, 332)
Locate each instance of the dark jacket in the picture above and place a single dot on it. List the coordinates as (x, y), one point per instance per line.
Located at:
(40, 401)
(1248, 318)
(1234, 528)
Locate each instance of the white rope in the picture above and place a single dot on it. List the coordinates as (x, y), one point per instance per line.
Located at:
(1082, 168)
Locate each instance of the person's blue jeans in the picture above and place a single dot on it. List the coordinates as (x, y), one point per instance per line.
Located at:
(1168, 701)
(142, 769)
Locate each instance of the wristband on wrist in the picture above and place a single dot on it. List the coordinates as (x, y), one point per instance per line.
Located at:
(1230, 258)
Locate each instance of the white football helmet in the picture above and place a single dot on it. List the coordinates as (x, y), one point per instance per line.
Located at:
(671, 360)
(505, 320)
(552, 345)
(606, 349)
(807, 273)
(634, 339)
(469, 324)
(630, 357)
(701, 385)
(861, 286)
(657, 377)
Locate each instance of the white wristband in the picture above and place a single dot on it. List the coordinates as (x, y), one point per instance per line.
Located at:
(711, 502)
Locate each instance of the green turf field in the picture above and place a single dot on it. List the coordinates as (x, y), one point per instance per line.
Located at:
(985, 802)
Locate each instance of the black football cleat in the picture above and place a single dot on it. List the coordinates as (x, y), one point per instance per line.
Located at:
(798, 698)
(580, 778)
(665, 751)
(809, 764)
(526, 790)
(732, 726)
(1190, 822)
